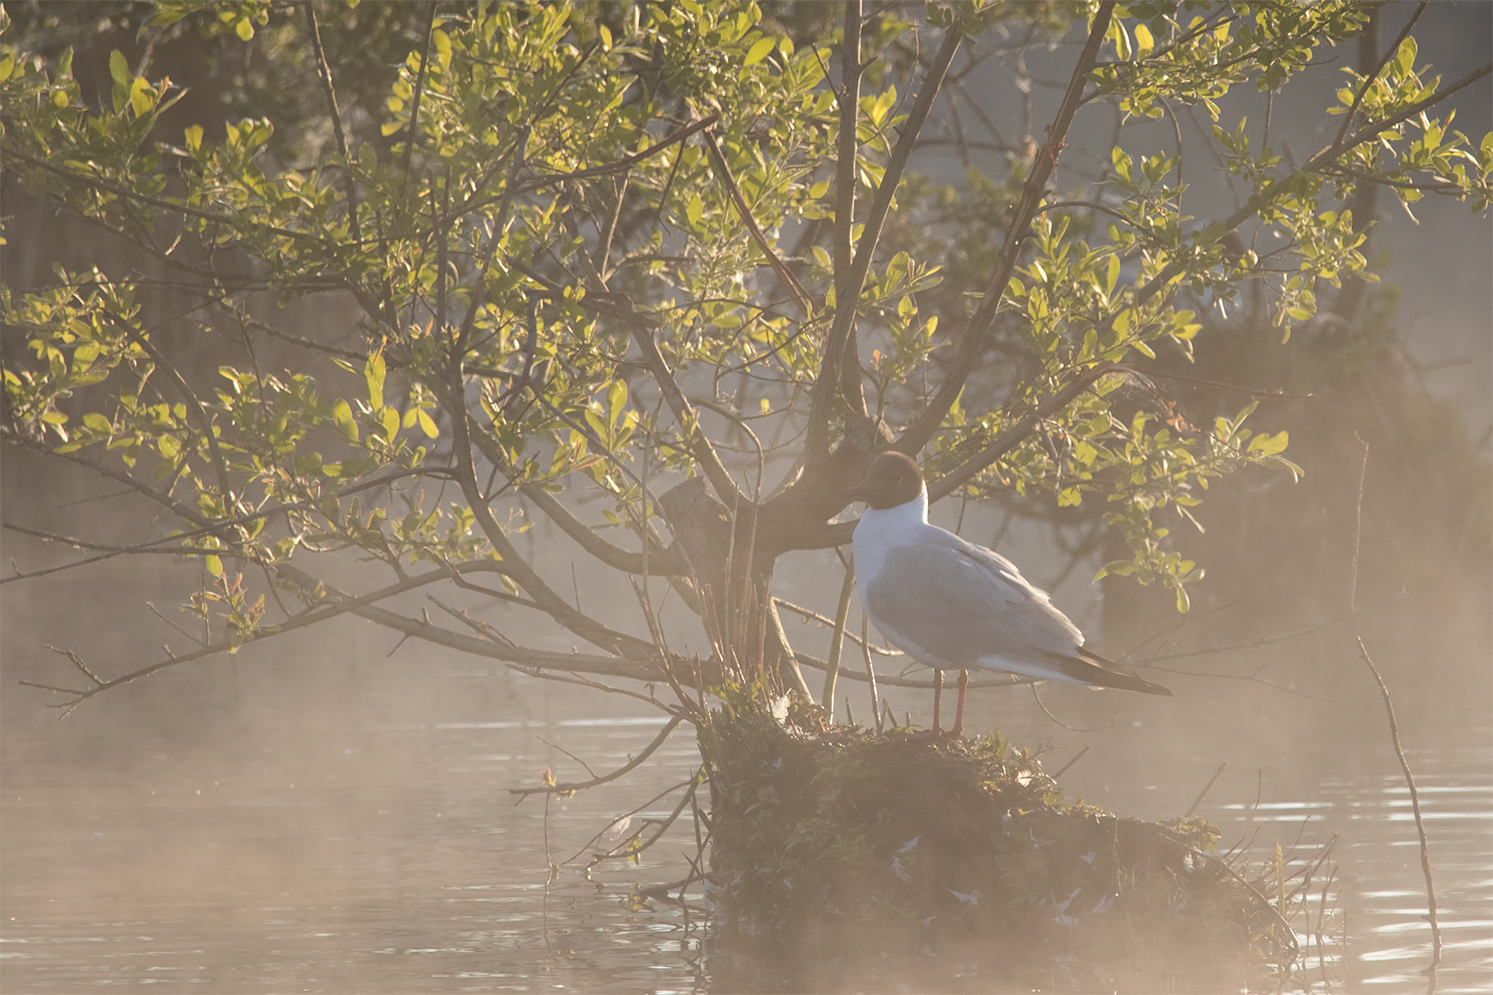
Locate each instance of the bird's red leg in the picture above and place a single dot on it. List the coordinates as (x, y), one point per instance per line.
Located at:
(959, 709)
(937, 692)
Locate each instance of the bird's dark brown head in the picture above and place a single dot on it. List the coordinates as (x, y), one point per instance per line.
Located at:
(892, 480)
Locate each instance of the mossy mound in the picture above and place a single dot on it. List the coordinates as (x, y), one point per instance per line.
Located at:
(842, 859)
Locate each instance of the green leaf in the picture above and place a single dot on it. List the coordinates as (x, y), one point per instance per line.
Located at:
(141, 99)
(693, 210)
(390, 419)
(119, 69)
(342, 417)
(1405, 57)
(616, 401)
(373, 373)
(244, 29)
(1144, 42)
(759, 50)
(214, 566)
(427, 424)
(194, 137)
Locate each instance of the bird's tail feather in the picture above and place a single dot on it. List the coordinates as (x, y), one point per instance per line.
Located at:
(1091, 668)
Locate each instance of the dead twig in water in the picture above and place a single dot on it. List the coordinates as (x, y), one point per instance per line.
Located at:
(1420, 826)
(1206, 788)
(1064, 769)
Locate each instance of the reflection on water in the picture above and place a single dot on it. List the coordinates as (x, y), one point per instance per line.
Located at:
(384, 857)
(1382, 901)
(357, 837)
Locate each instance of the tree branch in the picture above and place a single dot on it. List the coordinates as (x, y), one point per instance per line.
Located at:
(1372, 131)
(684, 412)
(1384, 58)
(921, 430)
(632, 764)
(662, 564)
(848, 289)
(845, 188)
(587, 628)
(723, 170)
(324, 71)
(625, 163)
(159, 358)
(1012, 437)
(411, 132)
(108, 187)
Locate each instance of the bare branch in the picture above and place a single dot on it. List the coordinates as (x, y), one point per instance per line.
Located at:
(411, 131)
(324, 71)
(1420, 826)
(77, 661)
(185, 512)
(848, 291)
(632, 764)
(1268, 640)
(814, 616)
(921, 430)
(665, 563)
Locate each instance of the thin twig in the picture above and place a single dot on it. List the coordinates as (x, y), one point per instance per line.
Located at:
(1046, 711)
(555, 746)
(632, 764)
(1368, 81)
(825, 620)
(870, 671)
(411, 128)
(1420, 826)
(723, 169)
(1076, 757)
(1363, 472)
(837, 640)
(324, 71)
(1206, 788)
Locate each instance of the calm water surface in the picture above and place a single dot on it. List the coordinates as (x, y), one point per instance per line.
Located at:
(265, 825)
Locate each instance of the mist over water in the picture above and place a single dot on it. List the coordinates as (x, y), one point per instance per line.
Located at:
(321, 815)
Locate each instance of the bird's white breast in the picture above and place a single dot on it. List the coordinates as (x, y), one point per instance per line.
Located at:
(879, 532)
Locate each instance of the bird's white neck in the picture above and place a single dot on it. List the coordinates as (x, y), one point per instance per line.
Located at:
(882, 529)
(892, 520)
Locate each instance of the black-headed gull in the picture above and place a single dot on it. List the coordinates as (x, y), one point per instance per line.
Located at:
(953, 605)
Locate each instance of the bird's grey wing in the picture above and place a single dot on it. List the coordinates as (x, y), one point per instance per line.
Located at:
(945, 605)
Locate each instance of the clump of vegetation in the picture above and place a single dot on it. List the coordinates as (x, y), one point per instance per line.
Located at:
(841, 857)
